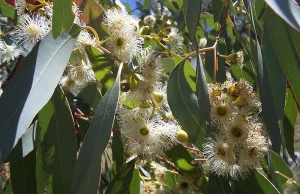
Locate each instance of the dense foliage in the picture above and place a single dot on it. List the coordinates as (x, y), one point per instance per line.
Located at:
(174, 96)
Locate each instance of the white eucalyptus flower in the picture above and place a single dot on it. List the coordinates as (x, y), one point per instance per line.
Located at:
(8, 52)
(31, 29)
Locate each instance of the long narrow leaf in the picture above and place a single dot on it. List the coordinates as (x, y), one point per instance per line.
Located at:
(88, 166)
(32, 86)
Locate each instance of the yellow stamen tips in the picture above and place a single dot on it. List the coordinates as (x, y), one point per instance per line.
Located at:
(133, 83)
(70, 83)
(144, 131)
(222, 110)
(120, 42)
(234, 91)
(32, 31)
(158, 97)
(145, 104)
(217, 92)
(236, 132)
(240, 101)
(221, 152)
(182, 136)
(253, 152)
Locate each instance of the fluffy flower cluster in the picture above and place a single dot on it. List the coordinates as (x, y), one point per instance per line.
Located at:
(146, 136)
(147, 124)
(124, 41)
(79, 74)
(241, 141)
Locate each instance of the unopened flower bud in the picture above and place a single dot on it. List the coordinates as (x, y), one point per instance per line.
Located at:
(182, 136)
(133, 83)
(157, 97)
(144, 30)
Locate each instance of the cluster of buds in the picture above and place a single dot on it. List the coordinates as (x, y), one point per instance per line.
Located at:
(241, 141)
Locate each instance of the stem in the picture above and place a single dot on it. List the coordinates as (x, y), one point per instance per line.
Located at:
(193, 149)
(92, 30)
(199, 51)
(169, 163)
(76, 125)
(288, 178)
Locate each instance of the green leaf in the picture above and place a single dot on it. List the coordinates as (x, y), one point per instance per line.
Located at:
(218, 185)
(184, 104)
(22, 174)
(88, 166)
(256, 183)
(8, 189)
(7, 10)
(120, 184)
(63, 16)
(279, 166)
(168, 64)
(275, 74)
(39, 171)
(25, 144)
(117, 152)
(218, 7)
(286, 43)
(92, 15)
(268, 106)
(288, 10)
(289, 120)
(91, 95)
(58, 143)
(183, 160)
(191, 11)
(32, 86)
(135, 182)
(202, 90)
(102, 66)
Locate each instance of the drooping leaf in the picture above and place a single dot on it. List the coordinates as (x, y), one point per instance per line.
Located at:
(135, 182)
(7, 10)
(32, 86)
(219, 185)
(202, 90)
(289, 120)
(58, 144)
(117, 152)
(183, 160)
(184, 104)
(120, 183)
(22, 174)
(63, 16)
(286, 44)
(88, 166)
(255, 183)
(268, 106)
(288, 10)
(191, 11)
(39, 172)
(275, 74)
(25, 144)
